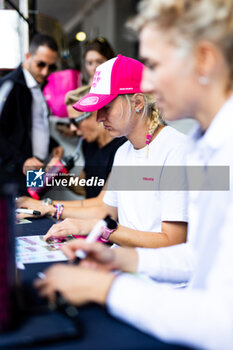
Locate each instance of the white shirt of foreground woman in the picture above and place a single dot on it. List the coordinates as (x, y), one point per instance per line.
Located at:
(188, 51)
(191, 315)
(186, 48)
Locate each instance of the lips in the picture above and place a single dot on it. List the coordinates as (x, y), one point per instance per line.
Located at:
(107, 126)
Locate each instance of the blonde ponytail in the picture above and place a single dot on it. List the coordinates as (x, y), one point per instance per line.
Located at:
(151, 110)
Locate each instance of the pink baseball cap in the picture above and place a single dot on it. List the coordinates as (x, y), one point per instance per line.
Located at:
(117, 76)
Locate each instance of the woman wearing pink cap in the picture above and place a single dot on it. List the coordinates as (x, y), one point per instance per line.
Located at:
(149, 215)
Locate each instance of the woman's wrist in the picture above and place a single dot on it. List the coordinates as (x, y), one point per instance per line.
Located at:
(126, 259)
(99, 289)
(51, 210)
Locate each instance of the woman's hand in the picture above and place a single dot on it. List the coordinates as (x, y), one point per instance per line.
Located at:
(71, 226)
(78, 285)
(32, 164)
(30, 203)
(102, 257)
(27, 202)
(43, 209)
(99, 256)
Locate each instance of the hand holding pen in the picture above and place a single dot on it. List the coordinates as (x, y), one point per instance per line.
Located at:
(27, 211)
(37, 212)
(97, 255)
(95, 233)
(53, 284)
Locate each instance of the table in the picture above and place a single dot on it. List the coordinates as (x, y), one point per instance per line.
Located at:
(101, 331)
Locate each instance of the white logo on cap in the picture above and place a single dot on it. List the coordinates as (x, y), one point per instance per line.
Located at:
(89, 101)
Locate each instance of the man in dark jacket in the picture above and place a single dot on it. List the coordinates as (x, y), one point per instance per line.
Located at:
(24, 130)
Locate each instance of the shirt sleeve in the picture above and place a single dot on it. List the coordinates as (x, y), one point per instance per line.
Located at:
(199, 318)
(173, 264)
(200, 315)
(110, 197)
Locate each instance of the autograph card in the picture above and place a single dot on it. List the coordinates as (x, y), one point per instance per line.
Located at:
(33, 249)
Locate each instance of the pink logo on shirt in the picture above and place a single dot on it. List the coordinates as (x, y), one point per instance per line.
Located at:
(148, 178)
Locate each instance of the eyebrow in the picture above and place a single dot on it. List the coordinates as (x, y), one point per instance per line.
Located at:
(142, 60)
(146, 61)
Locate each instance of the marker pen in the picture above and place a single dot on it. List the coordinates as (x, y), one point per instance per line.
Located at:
(95, 233)
(27, 211)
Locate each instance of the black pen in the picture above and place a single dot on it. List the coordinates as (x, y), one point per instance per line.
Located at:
(27, 211)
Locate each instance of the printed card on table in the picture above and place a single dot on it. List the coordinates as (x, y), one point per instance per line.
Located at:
(33, 249)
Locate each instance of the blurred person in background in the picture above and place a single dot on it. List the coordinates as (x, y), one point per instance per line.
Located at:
(96, 52)
(25, 140)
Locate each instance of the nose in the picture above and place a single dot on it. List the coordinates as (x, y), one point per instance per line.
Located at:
(73, 127)
(100, 116)
(77, 130)
(147, 83)
(45, 72)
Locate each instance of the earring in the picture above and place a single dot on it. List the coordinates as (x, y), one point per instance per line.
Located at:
(203, 80)
(137, 110)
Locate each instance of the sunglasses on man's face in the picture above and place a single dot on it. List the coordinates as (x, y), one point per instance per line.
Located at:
(51, 67)
(75, 121)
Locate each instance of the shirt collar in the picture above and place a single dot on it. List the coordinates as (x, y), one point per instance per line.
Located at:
(218, 131)
(30, 81)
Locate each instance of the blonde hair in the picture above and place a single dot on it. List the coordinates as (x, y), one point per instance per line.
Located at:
(192, 20)
(75, 95)
(150, 110)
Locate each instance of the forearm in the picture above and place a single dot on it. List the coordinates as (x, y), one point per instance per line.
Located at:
(84, 213)
(173, 264)
(125, 236)
(126, 259)
(80, 213)
(86, 203)
(77, 189)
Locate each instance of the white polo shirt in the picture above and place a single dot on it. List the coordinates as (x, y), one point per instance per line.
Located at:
(200, 315)
(40, 123)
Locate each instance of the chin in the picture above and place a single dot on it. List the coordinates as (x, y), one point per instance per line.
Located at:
(171, 115)
(114, 134)
(40, 81)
